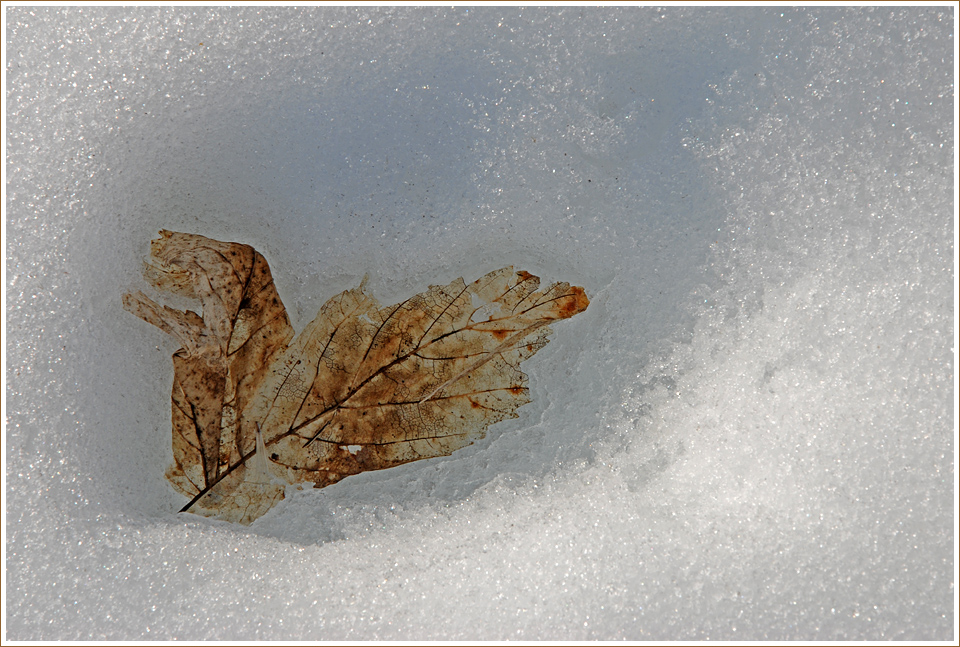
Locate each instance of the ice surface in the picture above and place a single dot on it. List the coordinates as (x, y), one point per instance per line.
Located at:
(748, 435)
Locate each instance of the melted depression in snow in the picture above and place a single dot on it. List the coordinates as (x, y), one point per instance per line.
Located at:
(747, 435)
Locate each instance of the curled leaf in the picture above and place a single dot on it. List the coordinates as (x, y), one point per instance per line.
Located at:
(363, 387)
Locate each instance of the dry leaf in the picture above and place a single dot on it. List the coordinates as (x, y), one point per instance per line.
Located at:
(361, 388)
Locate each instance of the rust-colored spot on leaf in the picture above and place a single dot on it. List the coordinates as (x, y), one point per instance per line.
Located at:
(575, 303)
(363, 387)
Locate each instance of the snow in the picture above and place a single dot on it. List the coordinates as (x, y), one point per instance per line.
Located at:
(748, 434)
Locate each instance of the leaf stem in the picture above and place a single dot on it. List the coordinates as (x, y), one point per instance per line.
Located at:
(212, 485)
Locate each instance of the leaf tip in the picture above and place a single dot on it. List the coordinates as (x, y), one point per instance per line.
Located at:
(575, 303)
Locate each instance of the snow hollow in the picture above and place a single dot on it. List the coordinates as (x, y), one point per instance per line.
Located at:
(748, 434)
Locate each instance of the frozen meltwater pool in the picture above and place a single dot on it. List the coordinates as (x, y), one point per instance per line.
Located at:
(747, 436)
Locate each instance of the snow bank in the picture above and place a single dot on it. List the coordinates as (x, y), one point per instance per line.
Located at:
(748, 435)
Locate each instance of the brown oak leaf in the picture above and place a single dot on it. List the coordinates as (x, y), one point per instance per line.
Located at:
(363, 387)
